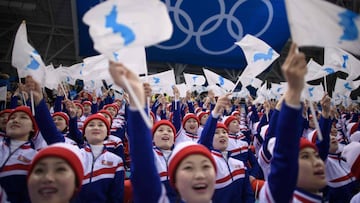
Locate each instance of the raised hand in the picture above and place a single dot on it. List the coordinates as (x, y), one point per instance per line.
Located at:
(32, 85)
(117, 72)
(294, 70)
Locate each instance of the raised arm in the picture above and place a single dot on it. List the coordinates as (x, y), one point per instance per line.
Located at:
(284, 165)
(141, 152)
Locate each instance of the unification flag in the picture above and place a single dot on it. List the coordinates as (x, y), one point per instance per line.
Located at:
(25, 58)
(343, 87)
(193, 79)
(313, 92)
(342, 61)
(321, 23)
(115, 24)
(259, 55)
(215, 79)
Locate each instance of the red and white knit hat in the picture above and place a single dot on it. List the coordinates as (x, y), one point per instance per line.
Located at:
(183, 150)
(228, 120)
(5, 111)
(86, 103)
(103, 111)
(201, 114)
(306, 143)
(163, 122)
(71, 154)
(97, 116)
(63, 115)
(221, 125)
(188, 116)
(26, 110)
(81, 107)
(351, 153)
(114, 105)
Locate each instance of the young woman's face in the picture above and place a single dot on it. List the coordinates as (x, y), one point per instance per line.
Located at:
(95, 132)
(112, 111)
(195, 179)
(52, 180)
(79, 112)
(234, 126)
(204, 119)
(191, 126)
(107, 117)
(311, 175)
(60, 123)
(3, 120)
(220, 140)
(87, 109)
(19, 126)
(164, 137)
(334, 145)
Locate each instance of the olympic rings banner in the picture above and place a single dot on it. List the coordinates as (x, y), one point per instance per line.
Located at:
(205, 30)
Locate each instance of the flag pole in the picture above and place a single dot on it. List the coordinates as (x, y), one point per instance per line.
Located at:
(32, 102)
(325, 84)
(137, 102)
(22, 93)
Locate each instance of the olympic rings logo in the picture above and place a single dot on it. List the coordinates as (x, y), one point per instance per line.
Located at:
(190, 31)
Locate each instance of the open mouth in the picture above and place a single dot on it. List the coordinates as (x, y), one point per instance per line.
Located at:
(165, 138)
(320, 173)
(222, 141)
(48, 191)
(200, 187)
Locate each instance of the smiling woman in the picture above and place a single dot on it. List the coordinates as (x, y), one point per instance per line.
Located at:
(55, 174)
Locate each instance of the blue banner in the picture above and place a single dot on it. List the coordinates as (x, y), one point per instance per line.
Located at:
(205, 30)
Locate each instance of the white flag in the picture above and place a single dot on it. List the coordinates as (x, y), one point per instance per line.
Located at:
(321, 23)
(344, 61)
(115, 24)
(3, 93)
(312, 69)
(65, 74)
(215, 79)
(277, 90)
(166, 78)
(218, 91)
(52, 78)
(313, 92)
(343, 87)
(25, 58)
(252, 81)
(193, 79)
(244, 93)
(258, 54)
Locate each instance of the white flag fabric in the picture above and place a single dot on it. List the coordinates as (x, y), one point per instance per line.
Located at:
(218, 91)
(263, 91)
(163, 78)
(65, 74)
(313, 92)
(193, 79)
(312, 69)
(161, 82)
(342, 60)
(277, 90)
(252, 81)
(25, 58)
(3, 93)
(244, 93)
(52, 78)
(215, 79)
(259, 55)
(115, 24)
(321, 23)
(133, 58)
(343, 87)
